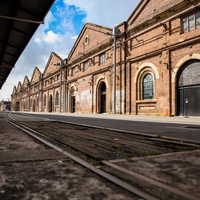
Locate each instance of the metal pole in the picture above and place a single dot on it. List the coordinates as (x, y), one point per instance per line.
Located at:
(116, 32)
(61, 64)
(114, 78)
(39, 95)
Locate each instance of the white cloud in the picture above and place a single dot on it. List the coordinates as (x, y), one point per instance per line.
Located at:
(37, 40)
(59, 33)
(51, 37)
(74, 37)
(105, 12)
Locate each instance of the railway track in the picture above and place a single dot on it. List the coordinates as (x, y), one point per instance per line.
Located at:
(108, 146)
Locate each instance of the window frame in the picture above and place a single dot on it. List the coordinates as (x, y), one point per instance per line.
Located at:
(102, 58)
(45, 100)
(85, 65)
(57, 98)
(149, 92)
(73, 71)
(189, 25)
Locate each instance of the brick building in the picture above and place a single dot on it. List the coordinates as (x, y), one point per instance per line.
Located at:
(147, 65)
(5, 105)
(41, 93)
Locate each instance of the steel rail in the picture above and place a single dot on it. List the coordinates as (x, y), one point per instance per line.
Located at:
(157, 184)
(87, 165)
(147, 135)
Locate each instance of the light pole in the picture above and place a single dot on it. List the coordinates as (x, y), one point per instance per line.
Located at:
(61, 65)
(116, 32)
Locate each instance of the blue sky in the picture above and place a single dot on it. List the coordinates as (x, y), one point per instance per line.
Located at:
(62, 26)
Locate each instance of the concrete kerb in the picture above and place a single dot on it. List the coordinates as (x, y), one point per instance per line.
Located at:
(144, 118)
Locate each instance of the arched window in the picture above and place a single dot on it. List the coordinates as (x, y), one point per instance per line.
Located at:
(148, 87)
(57, 98)
(45, 100)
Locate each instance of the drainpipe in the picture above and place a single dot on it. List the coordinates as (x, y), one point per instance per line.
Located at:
(125, 65)
(170, 83)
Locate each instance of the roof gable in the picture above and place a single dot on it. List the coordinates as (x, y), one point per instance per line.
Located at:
(148, 9)
(19, 86)
(91, 36)
(26, 82)
(53, 64)
(35, 76)
(14, 90)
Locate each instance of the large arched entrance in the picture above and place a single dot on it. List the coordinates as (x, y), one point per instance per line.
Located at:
(188, 84)
(50, 103)
(102, 97)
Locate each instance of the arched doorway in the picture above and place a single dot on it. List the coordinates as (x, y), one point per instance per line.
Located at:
(73, 104)
(72, 99)
(102, 97)
(188, 86)
(50, 103)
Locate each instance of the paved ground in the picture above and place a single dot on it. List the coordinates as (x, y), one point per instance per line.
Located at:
(175, 127)
(143, 118)
(29, 170)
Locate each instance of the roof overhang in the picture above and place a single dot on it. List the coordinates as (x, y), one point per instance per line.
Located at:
(19, 19)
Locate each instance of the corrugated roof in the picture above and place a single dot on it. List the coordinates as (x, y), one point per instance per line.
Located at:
(19, 19)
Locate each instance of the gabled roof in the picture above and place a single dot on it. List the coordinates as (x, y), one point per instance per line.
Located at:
(36, 75)
(25, 82)
(53, 64)
(18, 20)
(14, 90)
(19, 86)
(151, 10)
(137, 11)
(95, 33)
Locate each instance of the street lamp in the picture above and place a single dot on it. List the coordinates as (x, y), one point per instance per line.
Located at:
(61, 66)
(116, 32)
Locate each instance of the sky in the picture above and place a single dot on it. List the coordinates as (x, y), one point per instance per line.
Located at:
(62, 26)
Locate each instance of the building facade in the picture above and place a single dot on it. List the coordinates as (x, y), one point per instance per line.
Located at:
(5, 106)
(147, 65)
(42, 92)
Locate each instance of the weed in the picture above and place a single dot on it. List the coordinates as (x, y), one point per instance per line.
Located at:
(117, 148)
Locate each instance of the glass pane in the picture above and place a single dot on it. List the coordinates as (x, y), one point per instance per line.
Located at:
(102, 59)
(148, 88)
(85, 67)
(198, 19)
(185, 24)
(191, 22)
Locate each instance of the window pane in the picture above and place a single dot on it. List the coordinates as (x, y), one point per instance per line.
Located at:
(191, 22)
(85, 66)
(102, 59)
(185, 24)
(148, 88)
(198, 20)
(57, 98)
(73, 71)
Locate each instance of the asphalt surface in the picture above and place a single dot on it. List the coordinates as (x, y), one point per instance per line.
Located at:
(26, 175)
(30, 170)
(175, 127)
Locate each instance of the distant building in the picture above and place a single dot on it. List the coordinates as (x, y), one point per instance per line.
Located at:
(147, 65)
(5, 106)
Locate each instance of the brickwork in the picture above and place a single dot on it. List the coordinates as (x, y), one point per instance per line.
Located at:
(151, 42)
